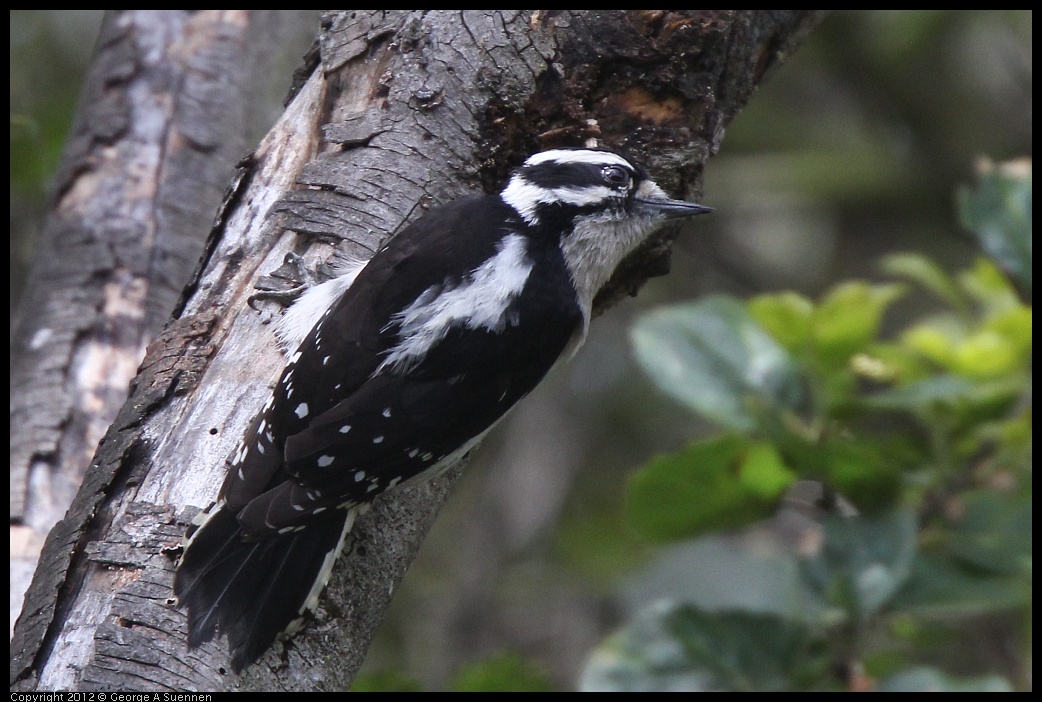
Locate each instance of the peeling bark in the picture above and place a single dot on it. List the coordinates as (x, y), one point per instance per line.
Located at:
(403, 110)
(161, 123)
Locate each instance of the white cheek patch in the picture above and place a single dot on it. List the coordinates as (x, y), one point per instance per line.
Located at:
(523, 197)
(480, 301)
(581, 197)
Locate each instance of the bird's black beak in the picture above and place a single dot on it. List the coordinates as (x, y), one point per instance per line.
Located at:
(671, 209)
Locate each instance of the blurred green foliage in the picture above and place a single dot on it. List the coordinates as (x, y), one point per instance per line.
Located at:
(998, 211)
(926, 431)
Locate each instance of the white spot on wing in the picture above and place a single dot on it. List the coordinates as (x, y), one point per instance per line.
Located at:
(386, 412)
(324, 461)
(378, 439)
(359, 475)
(346, 428)
(302, 410)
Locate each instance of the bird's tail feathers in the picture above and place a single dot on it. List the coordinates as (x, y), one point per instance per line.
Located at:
(254, 591)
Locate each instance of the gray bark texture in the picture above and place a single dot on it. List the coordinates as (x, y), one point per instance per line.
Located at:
(396, 112)
(162, 121)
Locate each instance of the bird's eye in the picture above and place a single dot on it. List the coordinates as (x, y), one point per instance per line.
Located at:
(615, 176)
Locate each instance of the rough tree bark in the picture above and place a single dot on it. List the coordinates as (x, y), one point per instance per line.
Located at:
(399, 111)
(163, 119)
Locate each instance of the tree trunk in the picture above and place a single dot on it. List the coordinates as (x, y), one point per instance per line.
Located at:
(399, 111)
(169, 106)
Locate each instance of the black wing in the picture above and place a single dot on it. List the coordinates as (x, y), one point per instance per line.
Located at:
(342, 428)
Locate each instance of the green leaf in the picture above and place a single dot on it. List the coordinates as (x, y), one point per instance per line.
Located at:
(934, 340)
(994, 532)
(1001, 346)
(719, 572)
(708, 486)
(763, 473)
(787, 318)
(985, 283)
(747, 651)
(867, 469)
(985, 354)
(847, 320)
(924, 679)
(1015, 325)
(507, 672)
(864, 561)
(715, 359)
(939, 587)
(682, 648)
(925, 272)
(891, 363)
(998, 211)
(936, 391)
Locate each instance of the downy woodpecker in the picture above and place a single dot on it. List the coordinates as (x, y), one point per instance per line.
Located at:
(400, 366)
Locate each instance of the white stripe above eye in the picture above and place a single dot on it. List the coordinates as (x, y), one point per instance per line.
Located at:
(479, 301)
(525, 197)
(578, 156)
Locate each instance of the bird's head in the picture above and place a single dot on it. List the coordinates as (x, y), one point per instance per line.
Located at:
(574, 183)
(602, 206)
